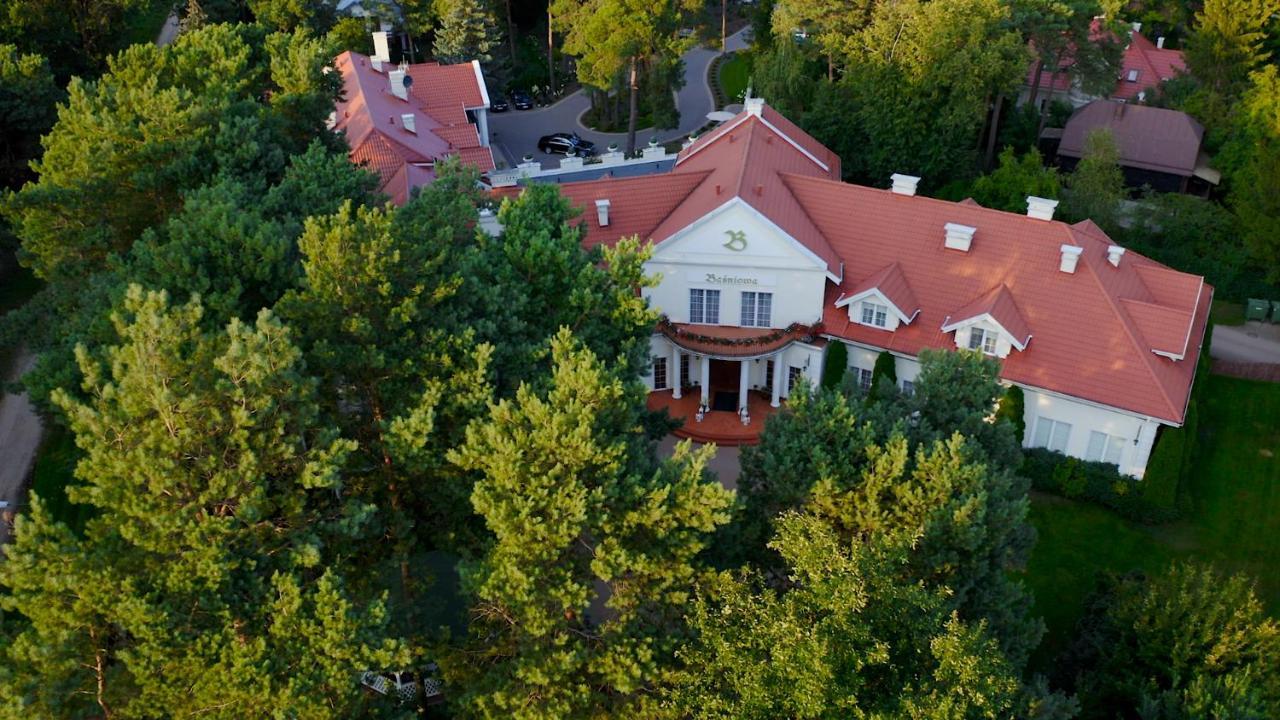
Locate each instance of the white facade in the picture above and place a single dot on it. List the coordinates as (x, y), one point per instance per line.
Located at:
(1074, 427)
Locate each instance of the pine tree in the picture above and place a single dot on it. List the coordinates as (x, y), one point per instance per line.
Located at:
(468, 31)
(577, 602)
(210, 582)
(849, 637)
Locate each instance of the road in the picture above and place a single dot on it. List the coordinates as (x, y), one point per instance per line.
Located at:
(20, 434)
(516, 132)
(1251, 342)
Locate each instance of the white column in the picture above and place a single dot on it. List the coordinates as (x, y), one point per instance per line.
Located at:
(744, 381)
(706, 380)
(675, 371)
(778, 375)
(482, 120)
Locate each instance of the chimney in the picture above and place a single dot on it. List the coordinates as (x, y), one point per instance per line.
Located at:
(381, 49)
(904, 184)
(397, 84)
(1114, 253)
(1160, 42)
(754, 106)
(1137, 27)
(1070, 256)
(602, 212)
(959, 237)
(407, 120)
(1041, 208)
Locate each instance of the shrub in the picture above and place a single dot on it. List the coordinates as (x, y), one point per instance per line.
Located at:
(835, 365)
(1095, 482)
(1012, 407)
(884, 376)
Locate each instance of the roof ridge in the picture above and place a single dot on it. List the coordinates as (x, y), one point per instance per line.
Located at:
(1145, 353)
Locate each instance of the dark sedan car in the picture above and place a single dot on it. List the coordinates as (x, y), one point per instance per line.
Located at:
(498, 104)
(566, 144)
(521, 100)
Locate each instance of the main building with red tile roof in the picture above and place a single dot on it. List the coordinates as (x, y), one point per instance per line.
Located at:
(765, 256)
(400, 119)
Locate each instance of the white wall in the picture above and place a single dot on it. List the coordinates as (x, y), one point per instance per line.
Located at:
(770, 262)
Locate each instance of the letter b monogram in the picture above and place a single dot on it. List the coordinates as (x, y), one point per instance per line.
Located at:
(737, 240)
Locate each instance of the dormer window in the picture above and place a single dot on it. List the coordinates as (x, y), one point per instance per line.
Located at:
(1133, 76)
(983, 339)
(875, 314)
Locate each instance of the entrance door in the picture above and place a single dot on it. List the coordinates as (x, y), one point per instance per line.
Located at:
(724, 375)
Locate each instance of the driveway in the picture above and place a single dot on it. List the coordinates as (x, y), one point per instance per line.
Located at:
(20, 434)
(725, 464)
(515, 133)
(1252, 342)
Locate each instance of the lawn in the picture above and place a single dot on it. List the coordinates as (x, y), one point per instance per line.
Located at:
(1235, 522)
(735, 73)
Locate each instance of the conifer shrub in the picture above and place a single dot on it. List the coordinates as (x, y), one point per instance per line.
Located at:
(835, 365)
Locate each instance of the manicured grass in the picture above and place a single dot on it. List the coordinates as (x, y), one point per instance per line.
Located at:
(1236, 485)
(1234, 523)
(1226, 313)
(54, 468)
(735, 73)
(1076, 544)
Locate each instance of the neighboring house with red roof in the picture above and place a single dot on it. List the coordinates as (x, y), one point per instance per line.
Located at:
(765, 256)
(1159, 148)
(1143, 67)
(400, 119)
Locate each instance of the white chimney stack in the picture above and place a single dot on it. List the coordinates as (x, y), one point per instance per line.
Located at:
(754, 106)
(1041, 208)
(397, 84)
(1160, 42)
(904, 184)
(602, 212)
(959, 237)
(1137, 27)
(381, 48)
(1070, 256)
(1114, 253)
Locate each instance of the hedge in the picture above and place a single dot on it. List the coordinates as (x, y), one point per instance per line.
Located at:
(835, 365)
(1096, 482)
(1013, 407)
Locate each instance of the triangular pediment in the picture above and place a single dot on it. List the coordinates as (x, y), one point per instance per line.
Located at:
(737, 234)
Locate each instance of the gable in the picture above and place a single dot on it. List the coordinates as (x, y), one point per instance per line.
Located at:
(737, 234)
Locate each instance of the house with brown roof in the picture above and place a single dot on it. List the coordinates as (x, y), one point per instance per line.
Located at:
(400, 119)
(1159, 148)
(765, 257)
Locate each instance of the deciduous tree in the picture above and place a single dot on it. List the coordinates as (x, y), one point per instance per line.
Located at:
(1007, 187)
(1096, 187)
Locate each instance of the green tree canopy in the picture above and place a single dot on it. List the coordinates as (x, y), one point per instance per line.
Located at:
(1096, 187)
(848, 638)
(578, 599)
(1007, 187)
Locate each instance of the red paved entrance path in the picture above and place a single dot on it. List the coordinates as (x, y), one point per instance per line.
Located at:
(721, 428)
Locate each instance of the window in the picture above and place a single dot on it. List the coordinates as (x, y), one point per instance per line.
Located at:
(757, 309)
(768, 375)
(1052, 434)
(1104, 448)
(660, 373)
(982, 339)
(908, 388)
(1133, 76)
(875, 314)
(704, 307)
(684, 370)
(793, 377)
(864, 379)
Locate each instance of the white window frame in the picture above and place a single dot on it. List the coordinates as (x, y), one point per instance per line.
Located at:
(708, 311)
(794, 373)
(757, 308)
(1104, 448)
(1132, 75)
(661, 363)
(874, 314)
(1051, 434)
(864, 378)
(983, 339)
(908, 388)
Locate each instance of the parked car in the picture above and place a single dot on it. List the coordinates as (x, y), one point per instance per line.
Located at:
(566, 144)
(498, 104)
(521, 100)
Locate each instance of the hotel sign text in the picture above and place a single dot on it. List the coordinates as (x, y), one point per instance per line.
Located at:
(711, 278)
